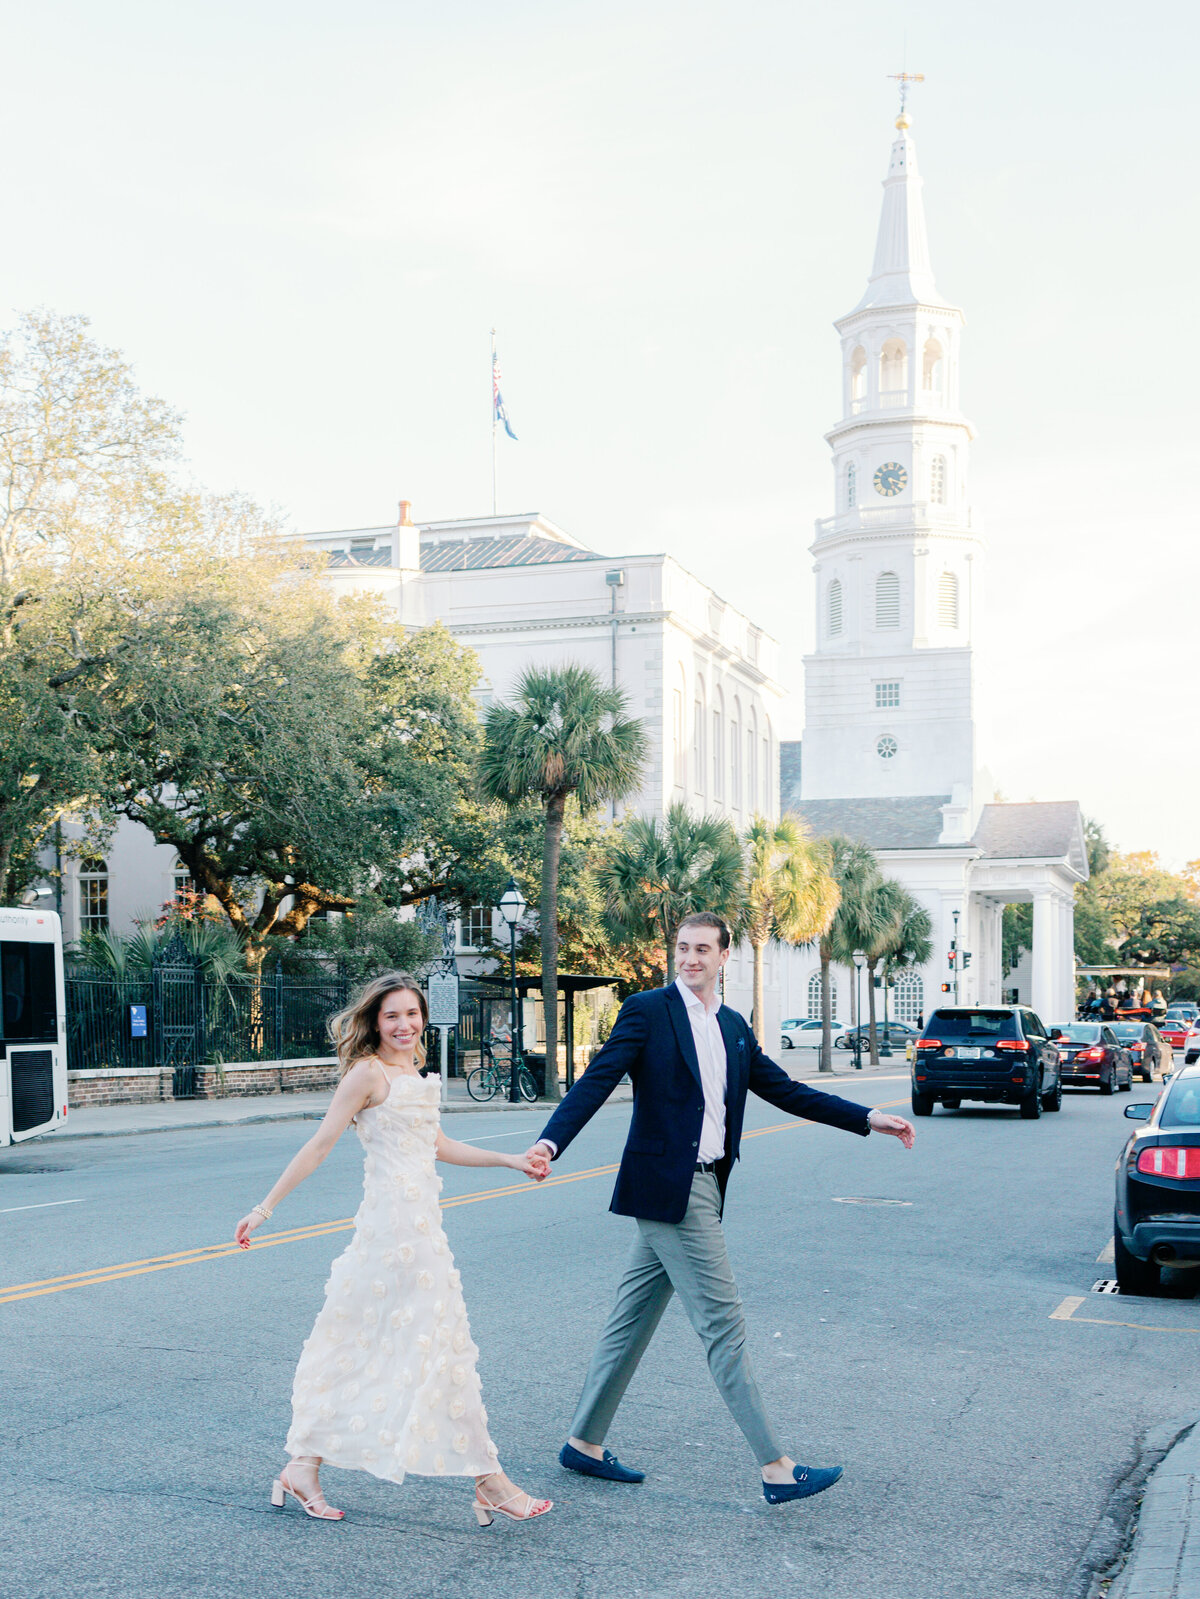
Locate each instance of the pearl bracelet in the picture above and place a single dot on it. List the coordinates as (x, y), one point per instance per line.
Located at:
(262, 1210)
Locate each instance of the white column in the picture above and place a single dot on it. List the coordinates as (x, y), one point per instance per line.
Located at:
(1066, 958)
(1042, 997)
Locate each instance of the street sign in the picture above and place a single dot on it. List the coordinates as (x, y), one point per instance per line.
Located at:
(137, 1021)
(442, 998)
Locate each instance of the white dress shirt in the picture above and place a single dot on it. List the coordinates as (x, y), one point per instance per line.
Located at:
(710, 1054)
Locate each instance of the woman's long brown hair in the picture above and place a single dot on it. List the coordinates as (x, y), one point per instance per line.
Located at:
(355, 1030)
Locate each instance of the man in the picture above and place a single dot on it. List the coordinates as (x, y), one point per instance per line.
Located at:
(691, 1061)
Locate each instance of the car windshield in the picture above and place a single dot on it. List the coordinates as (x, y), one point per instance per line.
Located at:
(1182, 1108)
(1079, 1033)
(1127, 1032)
(953, 1025)
(796, 1023)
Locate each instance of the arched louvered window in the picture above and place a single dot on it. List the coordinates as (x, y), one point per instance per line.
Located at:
(851, 486)
(893, 372)
(937, 480)
(814, 996)
(858, 379)
(908, 998)
(835, 608)
(947, 600)
(887, 600)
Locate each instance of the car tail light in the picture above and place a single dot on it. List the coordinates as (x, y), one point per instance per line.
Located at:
(929, 1043)
(1021, 1045)
(1170, 1160)
(1096, 1053)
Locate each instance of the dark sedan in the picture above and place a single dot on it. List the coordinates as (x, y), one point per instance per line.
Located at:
(1089, 1053)
(1148, 1050)
(1157, 1221)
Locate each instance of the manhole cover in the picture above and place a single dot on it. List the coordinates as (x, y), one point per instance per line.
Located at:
(866, 1199)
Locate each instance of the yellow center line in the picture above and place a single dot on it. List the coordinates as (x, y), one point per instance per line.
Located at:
(295, 1235)
(1066, 1312)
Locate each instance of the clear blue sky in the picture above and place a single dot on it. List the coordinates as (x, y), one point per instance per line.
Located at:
(300, 222)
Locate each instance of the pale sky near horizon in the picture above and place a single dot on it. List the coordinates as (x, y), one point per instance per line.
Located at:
(300, 224)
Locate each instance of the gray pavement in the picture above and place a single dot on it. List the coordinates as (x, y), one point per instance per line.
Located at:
(1164, 1561)
(905, 1316)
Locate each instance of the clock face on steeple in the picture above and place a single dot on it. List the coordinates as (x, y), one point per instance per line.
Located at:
(890, 479)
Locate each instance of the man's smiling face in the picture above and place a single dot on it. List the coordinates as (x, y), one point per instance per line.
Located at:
(699, 958)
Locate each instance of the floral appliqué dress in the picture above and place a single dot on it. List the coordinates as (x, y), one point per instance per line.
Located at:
(387, 1381)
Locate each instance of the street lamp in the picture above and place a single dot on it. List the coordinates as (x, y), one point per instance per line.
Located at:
(859, 962)
(885, 1047)
(512, 907)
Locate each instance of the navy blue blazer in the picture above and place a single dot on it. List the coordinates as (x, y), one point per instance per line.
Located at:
(652, 1041)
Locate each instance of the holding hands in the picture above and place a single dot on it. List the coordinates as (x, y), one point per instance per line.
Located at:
(534, 1163)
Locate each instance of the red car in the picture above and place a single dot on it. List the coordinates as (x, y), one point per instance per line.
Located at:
(1175, 1031)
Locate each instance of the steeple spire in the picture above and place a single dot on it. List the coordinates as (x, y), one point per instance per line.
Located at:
(901, 273)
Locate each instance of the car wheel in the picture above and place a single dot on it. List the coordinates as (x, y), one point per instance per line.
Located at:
(922, 1104)
(787, 1043)
(1053, 1100)
(1106, 1085)
(1134, 1276)
(1127, 1084)
(1031, 1106)
(952, 1104)
(841, 1043)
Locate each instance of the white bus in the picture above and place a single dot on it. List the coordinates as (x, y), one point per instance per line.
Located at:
(33, 1024)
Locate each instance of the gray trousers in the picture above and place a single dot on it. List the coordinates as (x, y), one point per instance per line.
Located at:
(687, 1258)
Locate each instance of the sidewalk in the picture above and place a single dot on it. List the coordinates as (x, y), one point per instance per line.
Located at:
(1164, 1562)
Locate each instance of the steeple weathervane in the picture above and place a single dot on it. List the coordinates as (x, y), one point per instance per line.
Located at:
(904, 79)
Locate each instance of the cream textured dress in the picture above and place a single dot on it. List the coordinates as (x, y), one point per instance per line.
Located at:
(387, 1382)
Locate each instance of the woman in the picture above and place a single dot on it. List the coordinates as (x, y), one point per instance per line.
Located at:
(386, 1382)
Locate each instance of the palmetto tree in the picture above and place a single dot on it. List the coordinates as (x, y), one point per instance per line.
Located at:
(564, 733)
(912, 944)
(855, 871)
(665, 868)
(895, 900)
(788, 893)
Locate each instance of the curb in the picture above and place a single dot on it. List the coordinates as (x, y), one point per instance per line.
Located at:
(1162, 1555)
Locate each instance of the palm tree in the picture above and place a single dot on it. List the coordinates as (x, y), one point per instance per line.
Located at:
(665, 868)
(855, 871)
(564, 733)
(912, 944)
(895, 900)
(788, 892)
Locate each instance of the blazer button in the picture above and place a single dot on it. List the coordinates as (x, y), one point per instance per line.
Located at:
(696, 1144)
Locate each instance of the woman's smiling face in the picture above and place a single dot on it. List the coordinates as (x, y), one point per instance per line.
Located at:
(401, 1020)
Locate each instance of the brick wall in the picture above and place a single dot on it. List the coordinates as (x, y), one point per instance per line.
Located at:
(235, 1080)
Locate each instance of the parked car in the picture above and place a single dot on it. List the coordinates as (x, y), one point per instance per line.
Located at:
(1191, 1045)
(1092, 1055)
(801, 1031)
(1148, 1050)
(1183, 1009)
(898, 1033)
(1157, 1220)
(1000, 1054)
(1175, 1031)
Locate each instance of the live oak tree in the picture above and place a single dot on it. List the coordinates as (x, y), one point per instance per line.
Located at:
(565, 733)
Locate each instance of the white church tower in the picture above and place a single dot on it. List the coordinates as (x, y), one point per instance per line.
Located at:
(888, 692)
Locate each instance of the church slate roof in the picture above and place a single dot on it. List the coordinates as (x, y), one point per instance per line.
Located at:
(906, 822)
(461, 555)
(1037, 830)
(519, 549)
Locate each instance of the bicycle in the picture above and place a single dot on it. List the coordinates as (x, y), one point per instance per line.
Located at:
(492, 1076)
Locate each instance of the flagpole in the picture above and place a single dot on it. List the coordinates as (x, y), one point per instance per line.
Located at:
(493, 377)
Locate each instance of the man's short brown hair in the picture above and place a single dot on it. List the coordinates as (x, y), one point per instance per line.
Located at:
(707, 919)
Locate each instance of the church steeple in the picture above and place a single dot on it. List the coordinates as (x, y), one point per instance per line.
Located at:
(901, 273)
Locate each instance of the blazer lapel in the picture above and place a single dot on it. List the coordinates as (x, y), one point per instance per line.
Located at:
(736, 1065)
(677, 1011)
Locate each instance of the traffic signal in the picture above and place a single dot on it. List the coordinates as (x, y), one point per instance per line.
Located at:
(950, 960)
(945, 988)
(966, 959)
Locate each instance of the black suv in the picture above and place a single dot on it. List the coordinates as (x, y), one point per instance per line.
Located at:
(998, 1053)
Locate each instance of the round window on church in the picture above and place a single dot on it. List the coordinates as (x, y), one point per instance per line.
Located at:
(886, 747)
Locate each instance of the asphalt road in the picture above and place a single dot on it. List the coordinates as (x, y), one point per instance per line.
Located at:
(142, 1415)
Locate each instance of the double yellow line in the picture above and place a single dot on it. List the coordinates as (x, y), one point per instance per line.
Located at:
(298, 1235)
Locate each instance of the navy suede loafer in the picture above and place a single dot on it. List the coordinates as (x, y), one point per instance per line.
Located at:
(610, 1467)
(809, 1480)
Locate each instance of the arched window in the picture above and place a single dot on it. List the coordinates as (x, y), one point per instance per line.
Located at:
(835, 608)
(680, 750)
(752, 762)
(93, 895)
(699, 764)
(887, 600)
(181, 879)
(858, 379)
(937, 480)
(947, 600)
(718, 746)
(908, 998)
(933, 368)
(814, 996)
(893, 372)
(851, 486)
(735, 757)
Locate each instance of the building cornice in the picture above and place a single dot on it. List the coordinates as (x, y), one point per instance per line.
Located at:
(875, 422)
(881, 313)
